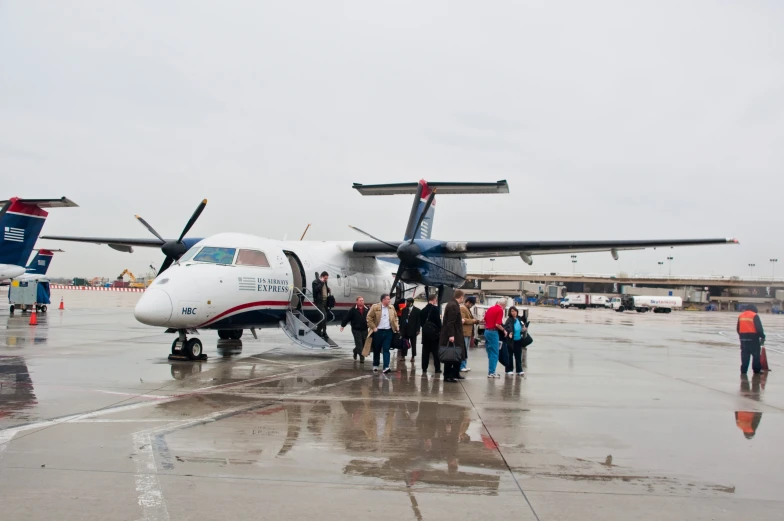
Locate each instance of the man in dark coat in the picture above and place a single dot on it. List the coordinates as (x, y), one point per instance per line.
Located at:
(410, 326)
(321, 292)
(357, 316)
(452, 333)
(431, 314)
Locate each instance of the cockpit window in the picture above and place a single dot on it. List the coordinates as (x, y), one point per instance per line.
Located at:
(252, 258)
(216, 255)
(189, 254)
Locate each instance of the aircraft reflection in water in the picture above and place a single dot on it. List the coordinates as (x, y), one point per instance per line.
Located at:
(366, 435)
(16, 388)
(748, 421)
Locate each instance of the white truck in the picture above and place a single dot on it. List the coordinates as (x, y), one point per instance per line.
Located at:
(584, 300)
(643, 304)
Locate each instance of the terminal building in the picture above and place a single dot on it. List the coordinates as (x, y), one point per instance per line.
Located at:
(715, 293)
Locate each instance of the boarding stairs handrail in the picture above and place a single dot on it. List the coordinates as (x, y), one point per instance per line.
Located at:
(300, 313)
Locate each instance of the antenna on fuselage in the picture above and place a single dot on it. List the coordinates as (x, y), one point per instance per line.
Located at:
(305, 232)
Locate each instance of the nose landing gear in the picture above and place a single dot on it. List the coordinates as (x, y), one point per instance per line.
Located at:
(184, 348)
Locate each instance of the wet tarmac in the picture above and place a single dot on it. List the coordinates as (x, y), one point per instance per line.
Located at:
(620, 416)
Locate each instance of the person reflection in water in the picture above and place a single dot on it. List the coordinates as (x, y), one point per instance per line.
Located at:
(748, 422)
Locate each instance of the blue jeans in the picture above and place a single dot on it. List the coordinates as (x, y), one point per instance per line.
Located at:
(382, 340)
(464, 363)
(491, 345)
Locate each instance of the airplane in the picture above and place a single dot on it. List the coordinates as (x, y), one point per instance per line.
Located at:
(230, 282)
(21, 221)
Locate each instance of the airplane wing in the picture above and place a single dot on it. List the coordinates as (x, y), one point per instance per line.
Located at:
(486, 249)
(116, 243)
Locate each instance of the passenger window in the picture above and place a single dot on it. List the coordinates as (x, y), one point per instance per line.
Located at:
(216, 255)
(252, 258)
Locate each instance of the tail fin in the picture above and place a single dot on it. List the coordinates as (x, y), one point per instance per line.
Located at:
(40, 263)
(420, 199)
(21, 221)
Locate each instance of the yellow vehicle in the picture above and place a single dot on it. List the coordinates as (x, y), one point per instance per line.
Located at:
(134, 283)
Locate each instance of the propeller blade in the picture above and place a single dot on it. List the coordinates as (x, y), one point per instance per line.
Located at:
(166, 263)
(399, 274)
(424, 214)
(192, 220)
(424, 259)
(374, 238)
(150, 228)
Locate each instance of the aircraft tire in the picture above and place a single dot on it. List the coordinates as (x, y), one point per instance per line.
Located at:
(236, 334)
(224, 334)
(193, 349)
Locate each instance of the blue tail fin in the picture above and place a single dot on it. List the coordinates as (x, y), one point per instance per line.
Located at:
(40, 263)
(420, 199)
(20, 226)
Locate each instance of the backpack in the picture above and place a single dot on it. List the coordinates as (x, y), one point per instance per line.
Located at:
(430, 331)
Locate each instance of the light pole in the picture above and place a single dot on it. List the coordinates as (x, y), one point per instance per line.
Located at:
(670, 259)
(574, 262)
(773, 268)
(661, 263)
(751, 269)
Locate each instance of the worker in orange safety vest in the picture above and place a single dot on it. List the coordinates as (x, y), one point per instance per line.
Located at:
(752, 338)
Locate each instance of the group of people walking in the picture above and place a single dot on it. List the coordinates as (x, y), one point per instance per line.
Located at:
(445, 338)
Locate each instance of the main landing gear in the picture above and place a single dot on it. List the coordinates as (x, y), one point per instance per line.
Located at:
(184, 348)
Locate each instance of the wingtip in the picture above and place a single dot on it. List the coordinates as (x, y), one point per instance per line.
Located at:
(204, 201)
(733, 240)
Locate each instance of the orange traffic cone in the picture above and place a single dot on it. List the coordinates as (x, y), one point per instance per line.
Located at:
(34, 316)
(61, 303)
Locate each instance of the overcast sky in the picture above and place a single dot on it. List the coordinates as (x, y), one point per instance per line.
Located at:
(610, 120)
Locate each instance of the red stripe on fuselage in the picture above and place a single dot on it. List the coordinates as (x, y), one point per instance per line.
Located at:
(249, 305)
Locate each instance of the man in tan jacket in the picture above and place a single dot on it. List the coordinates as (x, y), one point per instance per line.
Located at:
(468, 329)
(382, 324)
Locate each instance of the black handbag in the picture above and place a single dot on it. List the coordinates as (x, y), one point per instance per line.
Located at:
(527, 340)
(503, 354)
(397, 341)
(330, 302)
(450, 353)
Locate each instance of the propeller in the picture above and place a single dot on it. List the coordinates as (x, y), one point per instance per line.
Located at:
(174, 249)
(409, 252)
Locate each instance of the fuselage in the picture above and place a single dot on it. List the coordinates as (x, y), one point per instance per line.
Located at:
(10, 271)
(238, 281)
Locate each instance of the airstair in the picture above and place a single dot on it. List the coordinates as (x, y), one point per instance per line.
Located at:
(301, 330)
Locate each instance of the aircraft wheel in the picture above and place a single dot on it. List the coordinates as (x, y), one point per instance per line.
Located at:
(224, 334)
(192, 349)
(236, 334)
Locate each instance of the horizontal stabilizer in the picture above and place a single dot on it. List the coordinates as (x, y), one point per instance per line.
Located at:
(499, 187)
(62, 202)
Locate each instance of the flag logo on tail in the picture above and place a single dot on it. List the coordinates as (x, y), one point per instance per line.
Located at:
(13, 234)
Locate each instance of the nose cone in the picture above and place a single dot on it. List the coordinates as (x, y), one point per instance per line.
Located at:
(154, 308)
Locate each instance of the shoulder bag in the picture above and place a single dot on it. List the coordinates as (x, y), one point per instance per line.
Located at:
(450, 353)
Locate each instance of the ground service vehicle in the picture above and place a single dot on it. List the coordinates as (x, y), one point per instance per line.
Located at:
(642, 304)
(583, 300)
